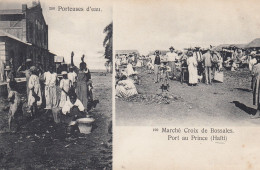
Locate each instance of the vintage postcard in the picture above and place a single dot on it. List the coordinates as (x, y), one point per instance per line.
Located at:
(56, 84)
(187, 84)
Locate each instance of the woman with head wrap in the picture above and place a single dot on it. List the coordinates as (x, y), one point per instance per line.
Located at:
(82, 86)
(35, 97)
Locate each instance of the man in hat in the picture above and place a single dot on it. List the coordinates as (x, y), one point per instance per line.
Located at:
(27, 65)
(171, 58)
(157, 63)
(207, 58)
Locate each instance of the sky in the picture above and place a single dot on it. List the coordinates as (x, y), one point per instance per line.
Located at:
(150, 25)
(80, 32)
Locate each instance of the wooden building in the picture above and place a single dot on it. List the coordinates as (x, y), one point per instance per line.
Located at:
(24, 34)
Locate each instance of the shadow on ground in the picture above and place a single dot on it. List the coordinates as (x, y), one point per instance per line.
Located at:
(248, 110)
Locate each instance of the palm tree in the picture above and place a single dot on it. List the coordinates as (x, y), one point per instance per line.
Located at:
(108, 42)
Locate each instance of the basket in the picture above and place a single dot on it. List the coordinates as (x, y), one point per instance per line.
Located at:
(85, 125)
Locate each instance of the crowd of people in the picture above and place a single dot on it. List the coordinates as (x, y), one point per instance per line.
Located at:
(193, 65)
(68, 96)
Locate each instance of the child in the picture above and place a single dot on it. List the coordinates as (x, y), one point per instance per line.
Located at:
(15, 102)
(65, 85)
(34, 98)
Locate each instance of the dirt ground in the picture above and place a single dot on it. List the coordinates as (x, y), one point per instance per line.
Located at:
(220, 104)
(40, 143)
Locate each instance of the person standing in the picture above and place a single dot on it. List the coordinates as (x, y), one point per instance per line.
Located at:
(50, 79)
(65, 85)
(198, 55)
(192, 68)
(256, 86)
(171, 58)
(35, 97)
(215, 62)
(72, 76)
(82, 86)
(252, 60)
(207, 58)
(157, 63)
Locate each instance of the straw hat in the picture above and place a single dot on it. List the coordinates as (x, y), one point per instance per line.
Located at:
(64, 72)
(189, 53)
(7, 68)
(28, 60)
(33, 68)
(253, 53)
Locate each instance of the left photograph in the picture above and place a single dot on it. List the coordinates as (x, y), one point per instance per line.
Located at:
(56, 84)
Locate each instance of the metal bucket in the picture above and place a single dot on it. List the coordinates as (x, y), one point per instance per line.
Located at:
(85, 125)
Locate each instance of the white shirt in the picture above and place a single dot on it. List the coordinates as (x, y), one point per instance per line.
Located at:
(68, 105)
(53, 79)
(171, 56)
(72, 76)
(50, 78)
(130, 69)
(152, 57)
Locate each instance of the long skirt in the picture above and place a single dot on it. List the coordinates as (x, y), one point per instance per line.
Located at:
(82, 93)
(63, 98)
(50, 96)
(193, 74)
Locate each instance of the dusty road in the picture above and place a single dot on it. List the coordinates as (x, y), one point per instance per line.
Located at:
(42, 144)
(220, 104)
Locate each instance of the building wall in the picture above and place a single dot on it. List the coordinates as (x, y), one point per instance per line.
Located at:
(30, 27)
(37, 30)
(2, 50)
(15, 50)
(14, 25)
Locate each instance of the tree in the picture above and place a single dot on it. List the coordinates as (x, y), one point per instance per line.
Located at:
(108, 42)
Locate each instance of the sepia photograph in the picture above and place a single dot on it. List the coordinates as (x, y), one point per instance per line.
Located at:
(56, 84)
(187, 63)
(186, 85)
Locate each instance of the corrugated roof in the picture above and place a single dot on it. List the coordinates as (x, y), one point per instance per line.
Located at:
(219, 47)
(5, 34)
(238, 45)
(127, 52)
(11, 11)
(162, 52)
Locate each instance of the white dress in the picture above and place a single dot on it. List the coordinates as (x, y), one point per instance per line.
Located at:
(34, 85)
(65, 84)
(192, 68)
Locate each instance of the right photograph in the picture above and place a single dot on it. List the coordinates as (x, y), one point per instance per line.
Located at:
(187, 63)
